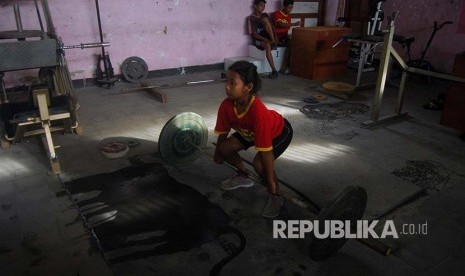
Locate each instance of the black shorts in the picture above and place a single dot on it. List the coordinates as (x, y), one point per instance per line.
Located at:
(258, 43)
(284, 41)
(280, 143)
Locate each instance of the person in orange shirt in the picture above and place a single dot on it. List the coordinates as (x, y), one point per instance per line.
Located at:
(282, 23)
(254, 125)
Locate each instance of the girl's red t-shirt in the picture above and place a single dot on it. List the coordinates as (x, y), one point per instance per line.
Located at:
(256, 124)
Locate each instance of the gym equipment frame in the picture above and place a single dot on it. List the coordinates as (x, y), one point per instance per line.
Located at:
(388, 50)
(55, 107)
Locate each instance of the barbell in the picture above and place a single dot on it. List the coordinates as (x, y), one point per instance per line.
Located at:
(183, 139)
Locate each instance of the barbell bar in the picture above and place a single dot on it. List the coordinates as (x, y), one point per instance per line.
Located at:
(183, 139)
(304, 202)
(171, 85)
(86, 45)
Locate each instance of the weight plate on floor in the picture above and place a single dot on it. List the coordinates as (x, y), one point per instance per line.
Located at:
(134, 69)
(114, 150)
(349, 205)
(181, 137)
(341, 87)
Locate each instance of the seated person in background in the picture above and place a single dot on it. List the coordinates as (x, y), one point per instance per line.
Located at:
(261, 29)
(282, 23)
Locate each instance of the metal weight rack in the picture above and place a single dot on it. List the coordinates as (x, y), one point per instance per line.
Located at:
(52, 105)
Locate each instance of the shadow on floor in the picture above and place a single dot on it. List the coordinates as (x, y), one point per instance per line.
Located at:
(141, 211)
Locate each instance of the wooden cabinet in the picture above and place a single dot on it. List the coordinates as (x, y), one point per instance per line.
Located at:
(312, 55)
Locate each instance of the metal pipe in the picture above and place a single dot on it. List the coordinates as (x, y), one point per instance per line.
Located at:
(429, 41)
(94, 45)
(171, 85)
(48, 18)
(383, 68)
(434, 74)
(87, 45)
(101, 40)
(19, 23)
(401, 95)
(2, 87)
(39, 16)
(398, 58)
(99, 25)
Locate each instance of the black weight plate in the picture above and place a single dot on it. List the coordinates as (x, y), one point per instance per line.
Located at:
(45, 76)
(181, 137)
(349, 204)
(134, 69)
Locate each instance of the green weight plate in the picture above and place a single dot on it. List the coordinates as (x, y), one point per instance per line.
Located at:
(181, 137)
(349, 204)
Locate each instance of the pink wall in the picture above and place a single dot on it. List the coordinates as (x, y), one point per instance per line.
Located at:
(461, 28)
(331, 12)
(417, 18)
(165, 33)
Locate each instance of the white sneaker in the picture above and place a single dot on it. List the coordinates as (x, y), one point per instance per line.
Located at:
(273, 206)
(236, 182)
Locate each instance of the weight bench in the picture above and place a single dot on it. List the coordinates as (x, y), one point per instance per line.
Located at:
(368, 44)
(21, 122)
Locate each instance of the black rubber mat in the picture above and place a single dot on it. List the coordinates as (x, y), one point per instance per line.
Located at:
(141, 211)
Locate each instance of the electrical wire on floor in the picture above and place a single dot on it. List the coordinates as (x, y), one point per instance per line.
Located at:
(231, 249)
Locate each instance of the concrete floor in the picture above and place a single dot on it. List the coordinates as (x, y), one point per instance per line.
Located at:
(42, 232)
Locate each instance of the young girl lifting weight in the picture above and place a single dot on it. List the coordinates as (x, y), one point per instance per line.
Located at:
(254, 125)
